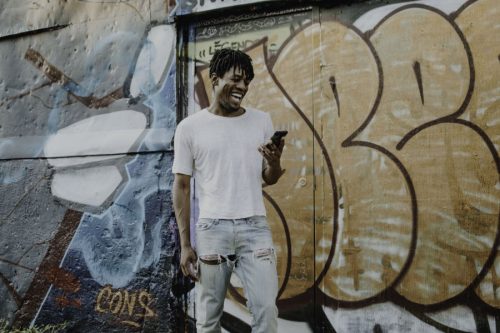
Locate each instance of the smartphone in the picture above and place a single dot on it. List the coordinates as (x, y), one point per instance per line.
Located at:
(277, 136)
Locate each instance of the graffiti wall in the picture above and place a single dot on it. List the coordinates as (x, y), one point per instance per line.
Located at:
(87, 234)
(386, 219)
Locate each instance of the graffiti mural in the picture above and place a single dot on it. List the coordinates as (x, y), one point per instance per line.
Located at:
(387, 217)
(87, 117)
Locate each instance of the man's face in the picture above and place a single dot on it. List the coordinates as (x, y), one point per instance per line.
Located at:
(230, 89)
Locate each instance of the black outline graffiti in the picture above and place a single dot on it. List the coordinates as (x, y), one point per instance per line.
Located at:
(468, 96)
(351, 142)
(418, 75)
(468, 293)
(450, 119)
(324, 151)
(288, 241)
(333, 85)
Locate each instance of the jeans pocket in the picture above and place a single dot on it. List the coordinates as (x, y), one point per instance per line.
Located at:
(259, 222)
(205, 224)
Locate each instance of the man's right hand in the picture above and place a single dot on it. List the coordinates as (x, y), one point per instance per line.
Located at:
(188, 262)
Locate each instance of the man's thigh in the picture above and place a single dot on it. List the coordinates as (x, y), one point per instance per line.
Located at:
(215, 249)
(214, 238)
(256, 259)
(256, 268)
(252, 235)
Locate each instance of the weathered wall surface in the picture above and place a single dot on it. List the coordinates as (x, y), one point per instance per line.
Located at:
(386, 219)
(87, 116)
(198, 6)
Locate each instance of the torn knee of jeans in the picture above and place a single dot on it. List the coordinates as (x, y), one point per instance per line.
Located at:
(264, 254)
(216, 259)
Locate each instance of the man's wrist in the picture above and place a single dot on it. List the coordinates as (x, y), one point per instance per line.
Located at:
(186, 246)
(274, 165)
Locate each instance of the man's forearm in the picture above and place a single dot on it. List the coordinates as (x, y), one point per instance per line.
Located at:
(182, 209)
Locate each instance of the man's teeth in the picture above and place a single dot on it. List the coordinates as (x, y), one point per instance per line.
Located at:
(238, 96)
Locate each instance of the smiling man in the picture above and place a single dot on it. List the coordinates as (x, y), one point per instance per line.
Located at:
(227, 149)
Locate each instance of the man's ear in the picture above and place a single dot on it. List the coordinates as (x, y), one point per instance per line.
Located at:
(214, 79)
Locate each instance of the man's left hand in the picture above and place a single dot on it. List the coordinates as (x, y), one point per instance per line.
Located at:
(271, 152)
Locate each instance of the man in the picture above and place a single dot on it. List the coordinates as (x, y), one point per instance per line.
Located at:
(226, 148)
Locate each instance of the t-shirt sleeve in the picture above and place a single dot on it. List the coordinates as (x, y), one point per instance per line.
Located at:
(183, 155)
(268, 128)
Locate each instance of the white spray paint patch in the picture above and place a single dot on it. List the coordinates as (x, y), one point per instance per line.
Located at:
(370, 19)
(91, 186)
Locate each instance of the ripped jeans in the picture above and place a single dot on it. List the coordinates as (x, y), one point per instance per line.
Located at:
(245, 246)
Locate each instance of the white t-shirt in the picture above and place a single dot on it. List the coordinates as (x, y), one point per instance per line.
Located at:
(221, 154)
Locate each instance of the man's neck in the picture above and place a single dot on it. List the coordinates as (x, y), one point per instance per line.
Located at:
(223, 112)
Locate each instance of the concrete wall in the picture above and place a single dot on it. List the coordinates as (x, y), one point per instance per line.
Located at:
(386, 219)
(87, 116)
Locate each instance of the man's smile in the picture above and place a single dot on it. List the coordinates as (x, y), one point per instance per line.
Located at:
(237, 95)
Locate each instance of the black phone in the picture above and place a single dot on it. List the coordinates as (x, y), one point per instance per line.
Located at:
(277, 136)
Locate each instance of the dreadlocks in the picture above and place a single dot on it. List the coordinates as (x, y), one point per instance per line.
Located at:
(225, 59)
